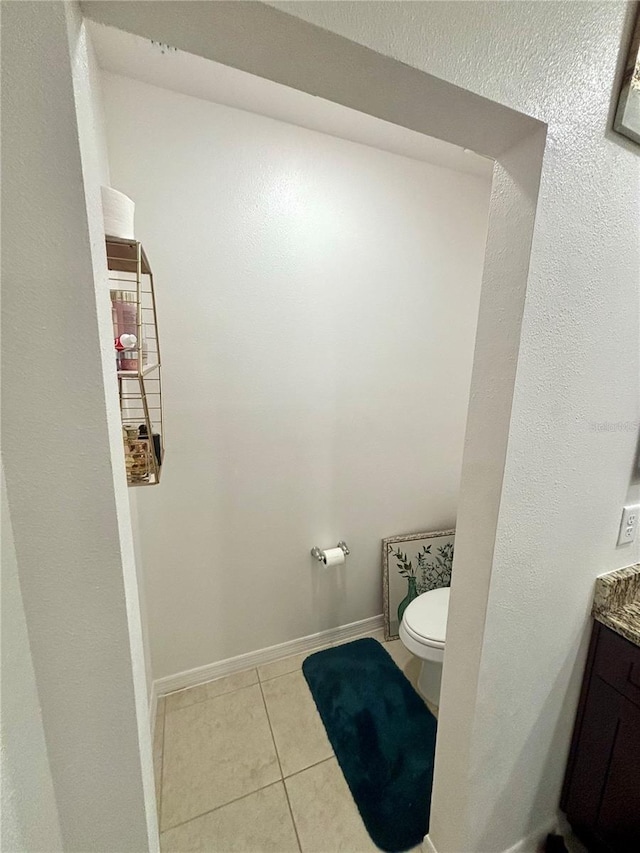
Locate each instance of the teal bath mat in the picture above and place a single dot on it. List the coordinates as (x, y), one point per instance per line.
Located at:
(383, 736)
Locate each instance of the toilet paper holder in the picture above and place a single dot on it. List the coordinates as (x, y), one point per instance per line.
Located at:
(319, 554)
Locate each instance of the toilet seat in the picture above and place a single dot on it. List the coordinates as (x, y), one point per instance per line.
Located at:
(422, 632)
(425, 619)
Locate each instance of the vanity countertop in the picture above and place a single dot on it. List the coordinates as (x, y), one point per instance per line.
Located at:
(616, 602)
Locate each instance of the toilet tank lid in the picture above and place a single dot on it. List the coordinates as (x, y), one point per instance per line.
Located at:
(427, 614)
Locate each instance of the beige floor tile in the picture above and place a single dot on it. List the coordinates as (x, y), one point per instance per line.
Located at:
(401, 655)
(403, 658)
(283, 666)
(325, 815)
(324, 812)
(294, 662)
(378, 635)
(258, 823)
(214, 752)
(297, 728)
(227, 684)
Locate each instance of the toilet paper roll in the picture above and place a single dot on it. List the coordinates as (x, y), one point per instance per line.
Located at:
(117, 212)
(333, 557)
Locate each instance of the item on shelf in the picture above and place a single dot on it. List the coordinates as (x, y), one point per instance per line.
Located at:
(136, 345)
(125, 342)
(117, 213)
(137, 455)
(124, 311)
(157, 444)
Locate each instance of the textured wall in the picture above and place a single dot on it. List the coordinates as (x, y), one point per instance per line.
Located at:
(318, 324)
(565, 480)
(574, 429)
(29, 814)
(59, 430)
(96, 156)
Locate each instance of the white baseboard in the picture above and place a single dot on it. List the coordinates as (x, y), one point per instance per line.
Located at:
(153, 708)
(532, 843)
(202, 674)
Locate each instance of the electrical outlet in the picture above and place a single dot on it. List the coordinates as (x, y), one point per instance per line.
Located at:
(629, 524)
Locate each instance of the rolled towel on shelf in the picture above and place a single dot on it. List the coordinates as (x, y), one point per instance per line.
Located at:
(118, 212)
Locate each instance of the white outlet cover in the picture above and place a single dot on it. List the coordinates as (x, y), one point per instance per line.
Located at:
(629, 524)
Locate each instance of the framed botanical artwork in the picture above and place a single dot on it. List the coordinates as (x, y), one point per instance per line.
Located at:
(627, 118)
(411, 565)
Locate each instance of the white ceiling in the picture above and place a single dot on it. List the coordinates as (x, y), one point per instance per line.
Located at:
(133, 56)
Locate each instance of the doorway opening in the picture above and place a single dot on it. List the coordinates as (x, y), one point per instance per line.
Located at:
(517, 147)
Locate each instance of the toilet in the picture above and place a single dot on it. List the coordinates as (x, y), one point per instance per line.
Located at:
(422, 631)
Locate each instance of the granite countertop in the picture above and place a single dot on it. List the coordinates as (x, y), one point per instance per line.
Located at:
(616, 602)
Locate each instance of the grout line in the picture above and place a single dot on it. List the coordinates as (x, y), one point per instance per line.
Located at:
(273, 737)
(282, 675)
(208, 698)
(244, 796)
(261, 788)
(283, 779)
(313, 652)
(260, 680)
(223, 805)
(293, 820)
(315, 764)
(295, 669)
(275, 746)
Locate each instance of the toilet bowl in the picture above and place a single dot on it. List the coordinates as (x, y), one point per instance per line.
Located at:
(422, 631)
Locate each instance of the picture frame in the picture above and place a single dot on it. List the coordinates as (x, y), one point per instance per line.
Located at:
(627, 117)
(412, 564)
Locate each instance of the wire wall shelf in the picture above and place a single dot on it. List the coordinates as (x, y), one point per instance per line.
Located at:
(137, 360)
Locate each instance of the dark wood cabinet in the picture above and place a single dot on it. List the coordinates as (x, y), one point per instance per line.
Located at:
(601, 795)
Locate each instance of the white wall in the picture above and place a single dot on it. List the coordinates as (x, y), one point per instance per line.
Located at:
(65, 489)
(29, 814)
(508, 713)
(96, 152)
(96, 157)
(318, 302)
(95, 117)
(565, 481)
(149, 61)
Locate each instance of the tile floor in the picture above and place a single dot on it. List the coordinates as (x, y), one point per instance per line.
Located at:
(243, 764)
